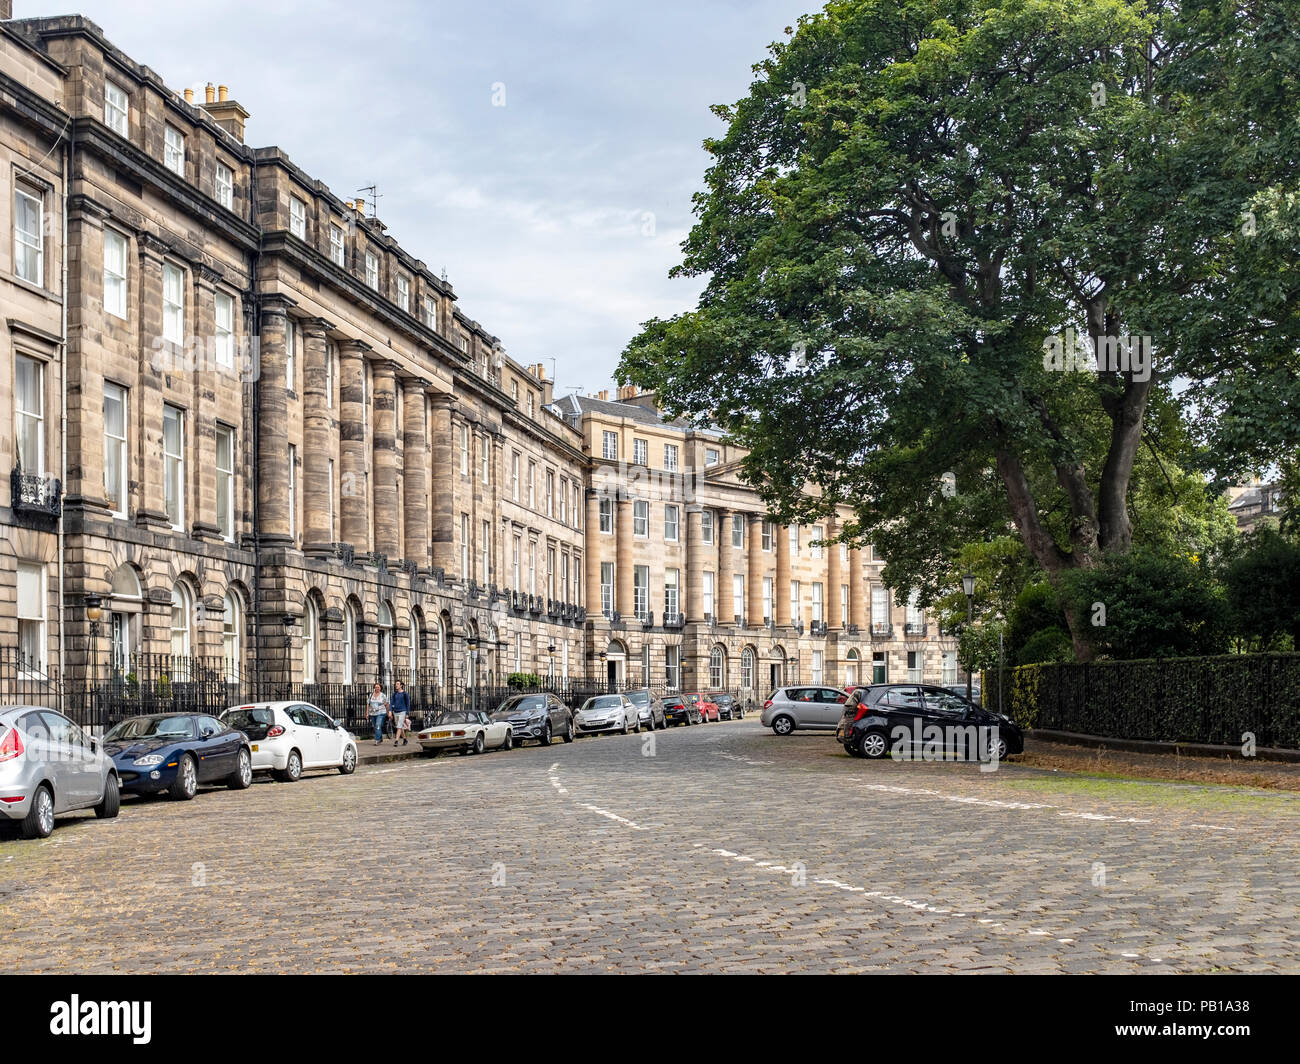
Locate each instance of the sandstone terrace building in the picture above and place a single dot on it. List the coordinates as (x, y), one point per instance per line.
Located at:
(288, 456)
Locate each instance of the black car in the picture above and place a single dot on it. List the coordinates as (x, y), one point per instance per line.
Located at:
(539, 716)
(175, 752)
(678, 711)
(918, 717)
(728, 708)
(649, 709)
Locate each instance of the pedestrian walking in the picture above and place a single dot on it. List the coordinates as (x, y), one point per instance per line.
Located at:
(401, 709)
(377, 705)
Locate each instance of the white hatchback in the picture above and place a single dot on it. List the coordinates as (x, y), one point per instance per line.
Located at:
(288, 738)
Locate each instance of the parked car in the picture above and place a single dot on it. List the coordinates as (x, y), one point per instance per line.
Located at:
(810, 707)
(607, 713)
(960, 689)
(649, 709)
(49, 766)
(287, 738)
(471, 731)
(175, 752)
(677, 710)
(872, 730)
(540, 717)
(708, 709)
(728, 708)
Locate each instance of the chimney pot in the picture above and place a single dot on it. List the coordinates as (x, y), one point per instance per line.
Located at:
(223, 93)
(189, 95)
(210, 93)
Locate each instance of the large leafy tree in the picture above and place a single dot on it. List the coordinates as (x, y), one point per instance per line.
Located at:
(915, 195)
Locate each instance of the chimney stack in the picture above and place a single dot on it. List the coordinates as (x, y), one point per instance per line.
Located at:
(189, 95)
(6, 10)
(223, 94)
(210, 92)
(228, 114)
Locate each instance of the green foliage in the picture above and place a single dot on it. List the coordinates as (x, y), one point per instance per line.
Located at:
(1261, 577)
(523, 679)
(1036, 609)
(1153, 605)
(1024, 703)
(1046, 645)
(977, 646)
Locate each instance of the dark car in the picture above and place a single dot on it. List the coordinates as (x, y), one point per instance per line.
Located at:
(539, 716)
(905, 715)
(728, 708)
(679, 711)
(176, 752)
(650, 709)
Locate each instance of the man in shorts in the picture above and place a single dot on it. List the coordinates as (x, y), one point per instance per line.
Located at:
(401, 708)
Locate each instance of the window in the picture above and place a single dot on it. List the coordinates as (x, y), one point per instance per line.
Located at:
(796, 607)
(844, 554)
(117, 108)
(706, 527)
(174, 464)
(464, 547)
(174, 150)
(310, 652)
(293, 492)
(672, 585)
(330, 494)
(915, 666)
(915, 618)
(747, 668)
(226, 187)
(115, 273)
(173, 303)
(182, 610)
(606, 508)
(485, 548)
(564, 578)
(550, 494)
(673, 667)
(564, 501)
(532, 405)
(794, 541)
(485, 461)
(225, 330)
(532, 567)
(226, 482)
(577, 579)
(879, 609)
(29, 414)
(768, 529)
(737, 530)
(550, 572)
(532, 485)
(29, 240)
(607, 588)
(431, 313)
(738, 595)
(514, 561)
(816, 666)
(717, 667)
(844, 604)
(609, 446)
(404, 294)
(350, 623)
(706, 592)
(949, 668)
(464, 450)
(519, 651)
(641, 519)
(641, 591)
(297, 218)
(670, 457)
(817, 602)
(711, 457)
(372, 270)
(115, 448)
(336, 245)
(851, 668)
(640, 452)
(31, 616)
(671, 519)
(816, 550)
(574, 510)
(290, 353)
(230, 629)
(514, 476)
(767, 599)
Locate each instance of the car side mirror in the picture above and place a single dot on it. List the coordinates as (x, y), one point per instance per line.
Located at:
(208, 733)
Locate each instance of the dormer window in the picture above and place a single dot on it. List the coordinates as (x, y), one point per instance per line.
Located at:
(174, 150)
(372, 270)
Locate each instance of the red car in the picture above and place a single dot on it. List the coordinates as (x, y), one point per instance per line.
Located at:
(708, 710)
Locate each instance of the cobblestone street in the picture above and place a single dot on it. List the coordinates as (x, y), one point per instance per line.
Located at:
(727, 850)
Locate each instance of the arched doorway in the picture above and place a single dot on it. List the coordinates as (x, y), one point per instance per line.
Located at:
(776, 669)
(851, 668)
(615, 663)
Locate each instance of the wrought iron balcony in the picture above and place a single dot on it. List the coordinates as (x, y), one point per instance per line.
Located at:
(817, 628)
(674, 620)
(34, 495)
(882, 628)
(914, 629)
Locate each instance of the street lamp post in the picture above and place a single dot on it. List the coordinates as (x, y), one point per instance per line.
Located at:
(550, 653)
(93, 613)
(471, 644)
(968, 586)
(604, 672)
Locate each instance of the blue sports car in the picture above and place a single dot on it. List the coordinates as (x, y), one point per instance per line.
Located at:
(175, 752)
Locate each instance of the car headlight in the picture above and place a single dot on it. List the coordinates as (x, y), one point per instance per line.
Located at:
(148, 761)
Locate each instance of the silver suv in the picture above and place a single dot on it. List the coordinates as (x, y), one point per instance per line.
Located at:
(48, 765)
(812, 707)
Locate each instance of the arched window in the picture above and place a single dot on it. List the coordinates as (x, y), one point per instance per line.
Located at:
(747, 668)
(385, 645)
(310, 646)
(851, 668)
(440, 652)
(232, 628)
(349, 644)
(413, 651)
(181, 619)
(718, 667)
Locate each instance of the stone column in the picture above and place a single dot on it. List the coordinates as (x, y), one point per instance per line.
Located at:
(624, 558)
(781, 589)
(151, 496)
(201, 418)
(387, 518)
(857, 607)
(834, 615)
(594, 547)
(272, 426)
(754, 593)
(723, 594)
(354, 524)
(316, 439)
(85, 429)
(415, 461)
(443, 483)
(695, 552)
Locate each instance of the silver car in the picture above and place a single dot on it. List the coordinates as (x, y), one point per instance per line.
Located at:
(48, 765)
(812, 707)
(607, 713)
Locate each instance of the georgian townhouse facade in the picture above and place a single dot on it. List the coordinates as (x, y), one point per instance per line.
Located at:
(261, 440)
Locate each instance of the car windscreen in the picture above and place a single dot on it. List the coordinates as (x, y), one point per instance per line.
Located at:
(254, 722)
(152, 728)
(453, 716)
(523, 704)
(603, 702)
(639, 698)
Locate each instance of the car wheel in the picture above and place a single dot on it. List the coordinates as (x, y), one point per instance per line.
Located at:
(479, 745)
(873, 744)
(783, 725)
(112, 801)
(349, 765)
(569, 733)
(1002, 748)
(242, 777)
(39, 821)
(851, 750)
(740, 714)
(545, 740)
(187, 780)
(292, 772)
(508, 742)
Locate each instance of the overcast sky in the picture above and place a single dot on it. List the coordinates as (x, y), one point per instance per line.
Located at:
(557, 216)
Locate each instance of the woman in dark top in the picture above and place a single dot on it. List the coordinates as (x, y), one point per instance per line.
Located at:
(401, 706)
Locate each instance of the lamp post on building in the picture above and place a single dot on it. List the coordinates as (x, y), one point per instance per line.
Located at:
(968, 586)
(471, 645)
(94, 612)
(550, 653)
(287, 622)
(604, 672)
